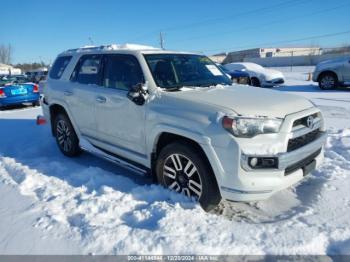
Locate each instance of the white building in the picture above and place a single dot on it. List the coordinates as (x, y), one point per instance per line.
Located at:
(9, 70)
(240, 56)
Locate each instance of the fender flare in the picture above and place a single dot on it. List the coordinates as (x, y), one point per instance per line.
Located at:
(203, 141)
(69, 114)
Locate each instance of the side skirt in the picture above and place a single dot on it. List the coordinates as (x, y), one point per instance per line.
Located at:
(123, 162)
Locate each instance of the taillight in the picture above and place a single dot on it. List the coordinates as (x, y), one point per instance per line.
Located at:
(2, 93)
(35, 89)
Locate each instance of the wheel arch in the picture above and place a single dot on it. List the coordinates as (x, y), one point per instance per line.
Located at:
(202, 144)
(54, 110)
(327, 72)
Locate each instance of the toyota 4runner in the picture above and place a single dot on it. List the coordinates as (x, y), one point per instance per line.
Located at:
(178, 117)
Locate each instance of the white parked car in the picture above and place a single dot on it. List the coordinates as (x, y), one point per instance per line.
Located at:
(259, 76)
(176, 116)
(332, 73)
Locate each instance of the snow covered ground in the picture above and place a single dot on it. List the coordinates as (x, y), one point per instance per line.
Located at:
(51, 204)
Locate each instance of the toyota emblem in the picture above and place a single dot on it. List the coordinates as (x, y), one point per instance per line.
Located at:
(310, 122)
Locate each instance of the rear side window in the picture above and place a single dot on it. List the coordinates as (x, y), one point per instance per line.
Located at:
(59, 66)
(122, 72)
(88, 70)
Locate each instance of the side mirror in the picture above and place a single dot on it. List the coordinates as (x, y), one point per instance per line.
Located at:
(138, 94)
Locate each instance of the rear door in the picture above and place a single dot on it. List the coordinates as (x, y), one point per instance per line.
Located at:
(81, 96)
(120, 122)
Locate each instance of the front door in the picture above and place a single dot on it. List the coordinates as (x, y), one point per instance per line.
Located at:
(119, 121)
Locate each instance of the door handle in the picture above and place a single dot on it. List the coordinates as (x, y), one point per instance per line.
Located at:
(101, 99)
(67, 93)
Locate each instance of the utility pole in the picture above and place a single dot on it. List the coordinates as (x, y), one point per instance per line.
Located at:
(161, 40)
(90, 40)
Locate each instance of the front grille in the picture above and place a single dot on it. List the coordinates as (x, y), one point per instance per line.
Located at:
(303, 140)
(292, 168)
(303, 121)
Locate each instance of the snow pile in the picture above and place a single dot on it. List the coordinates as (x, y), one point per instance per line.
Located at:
(84, 205)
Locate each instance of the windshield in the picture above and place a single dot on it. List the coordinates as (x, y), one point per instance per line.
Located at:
(178, 70)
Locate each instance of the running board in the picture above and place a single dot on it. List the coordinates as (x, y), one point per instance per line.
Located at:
(88, 147)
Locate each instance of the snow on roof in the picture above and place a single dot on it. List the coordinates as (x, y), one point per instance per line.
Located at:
(111, 47)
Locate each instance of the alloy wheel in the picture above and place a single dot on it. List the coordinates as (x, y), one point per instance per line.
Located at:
(181, 175)
(328, 82)
(63, 135)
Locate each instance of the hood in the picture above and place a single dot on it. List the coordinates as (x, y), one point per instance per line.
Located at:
(330, 63)
(247, 101)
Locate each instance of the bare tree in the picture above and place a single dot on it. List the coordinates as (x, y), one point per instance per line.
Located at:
(5, 54)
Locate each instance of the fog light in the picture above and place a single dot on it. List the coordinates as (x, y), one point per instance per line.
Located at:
(253, 161)
(263, 162)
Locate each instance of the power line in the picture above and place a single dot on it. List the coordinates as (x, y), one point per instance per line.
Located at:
(221, 19)
(265, 24)
(280, 42)
(271, 8)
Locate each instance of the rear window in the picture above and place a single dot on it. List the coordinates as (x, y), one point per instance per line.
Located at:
(59, 66)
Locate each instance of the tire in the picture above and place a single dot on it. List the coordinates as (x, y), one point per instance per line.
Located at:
(255, 82)
(66, 138)
(184, 170)
(328, 81)
(37, 103)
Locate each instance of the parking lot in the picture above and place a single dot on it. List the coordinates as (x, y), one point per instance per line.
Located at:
(88, 205)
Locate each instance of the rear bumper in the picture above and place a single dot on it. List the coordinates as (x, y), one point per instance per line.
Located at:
(17, 100)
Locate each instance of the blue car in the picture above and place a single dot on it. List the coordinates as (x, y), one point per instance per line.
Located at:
(16, 91)
(237, 76)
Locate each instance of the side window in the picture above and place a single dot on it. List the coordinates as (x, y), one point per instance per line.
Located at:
(88, 70)
(122, 72)
(59, 66)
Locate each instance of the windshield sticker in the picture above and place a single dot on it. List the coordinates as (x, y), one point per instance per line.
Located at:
(214, 70)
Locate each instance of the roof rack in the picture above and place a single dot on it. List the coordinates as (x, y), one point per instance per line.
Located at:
(111, 47)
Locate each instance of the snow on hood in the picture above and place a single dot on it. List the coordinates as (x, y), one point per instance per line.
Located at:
(248, 101)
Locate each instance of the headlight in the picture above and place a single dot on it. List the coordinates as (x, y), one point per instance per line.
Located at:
(250, 127)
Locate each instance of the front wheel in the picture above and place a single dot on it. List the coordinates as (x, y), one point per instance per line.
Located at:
(66, 137)
(184, 170)
(328, 81)
(255, 82)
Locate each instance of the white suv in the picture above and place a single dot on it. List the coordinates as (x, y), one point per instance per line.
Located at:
(177, 117)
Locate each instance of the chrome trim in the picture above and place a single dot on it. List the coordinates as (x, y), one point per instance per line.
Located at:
(287, 158)
(303, 130)
(232, 190)
(88, 147)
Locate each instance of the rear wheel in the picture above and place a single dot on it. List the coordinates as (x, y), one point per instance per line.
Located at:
(328, 81)
(66, 137)
(37, 103)
(255, 82)
(184, 170)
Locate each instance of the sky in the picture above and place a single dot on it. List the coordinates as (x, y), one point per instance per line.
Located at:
(39, 29)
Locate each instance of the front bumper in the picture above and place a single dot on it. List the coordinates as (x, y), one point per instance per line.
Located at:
(250, 184)
(273, 82)
(288, 159)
